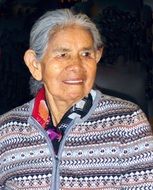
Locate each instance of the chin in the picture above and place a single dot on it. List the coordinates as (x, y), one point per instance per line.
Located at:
(76, 96)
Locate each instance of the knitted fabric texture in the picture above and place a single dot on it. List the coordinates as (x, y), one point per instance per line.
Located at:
(55, 133)
(110, 148)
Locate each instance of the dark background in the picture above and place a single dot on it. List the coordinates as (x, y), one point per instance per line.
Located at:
(127, 29)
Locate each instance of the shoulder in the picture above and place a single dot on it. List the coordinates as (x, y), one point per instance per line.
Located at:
(18, 114)
(121, 119)
(116, 106)
(119, 112)
(14, 125)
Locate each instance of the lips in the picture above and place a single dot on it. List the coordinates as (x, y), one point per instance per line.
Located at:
(74, 81)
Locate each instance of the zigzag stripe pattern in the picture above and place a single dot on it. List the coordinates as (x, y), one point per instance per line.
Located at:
(111, 149)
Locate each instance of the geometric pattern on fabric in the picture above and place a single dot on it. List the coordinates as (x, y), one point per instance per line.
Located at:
(111, 148)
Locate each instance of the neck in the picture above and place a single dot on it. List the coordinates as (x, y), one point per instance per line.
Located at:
(57, 109)
(57, 112)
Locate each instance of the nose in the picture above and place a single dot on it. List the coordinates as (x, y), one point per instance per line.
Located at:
(75, 65)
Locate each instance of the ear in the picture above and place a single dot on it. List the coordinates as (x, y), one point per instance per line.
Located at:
(99, 53)
(33, 64)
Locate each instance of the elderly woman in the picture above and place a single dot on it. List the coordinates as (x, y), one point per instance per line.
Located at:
(70, 136)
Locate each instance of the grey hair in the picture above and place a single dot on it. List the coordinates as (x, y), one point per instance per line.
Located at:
(46, 26)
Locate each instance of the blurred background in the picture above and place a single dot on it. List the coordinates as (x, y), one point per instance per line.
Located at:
(126, 68)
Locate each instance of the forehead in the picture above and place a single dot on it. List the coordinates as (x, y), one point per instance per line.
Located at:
(71, 35)
(66, 28)
(70, 39)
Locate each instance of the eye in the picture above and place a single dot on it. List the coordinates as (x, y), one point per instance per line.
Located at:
(86, 54)
(62, 55)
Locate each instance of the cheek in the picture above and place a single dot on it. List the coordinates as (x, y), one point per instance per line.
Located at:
(50, 73)
(90, 79)
(91, 72)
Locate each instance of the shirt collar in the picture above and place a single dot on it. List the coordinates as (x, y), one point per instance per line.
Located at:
(41, 112)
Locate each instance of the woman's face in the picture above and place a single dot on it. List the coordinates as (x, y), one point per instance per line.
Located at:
(68, 67)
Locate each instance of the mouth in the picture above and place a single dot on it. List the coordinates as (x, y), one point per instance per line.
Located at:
(74, 81)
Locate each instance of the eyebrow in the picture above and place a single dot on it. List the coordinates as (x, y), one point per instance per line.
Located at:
(62, 49)
(88, 49)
